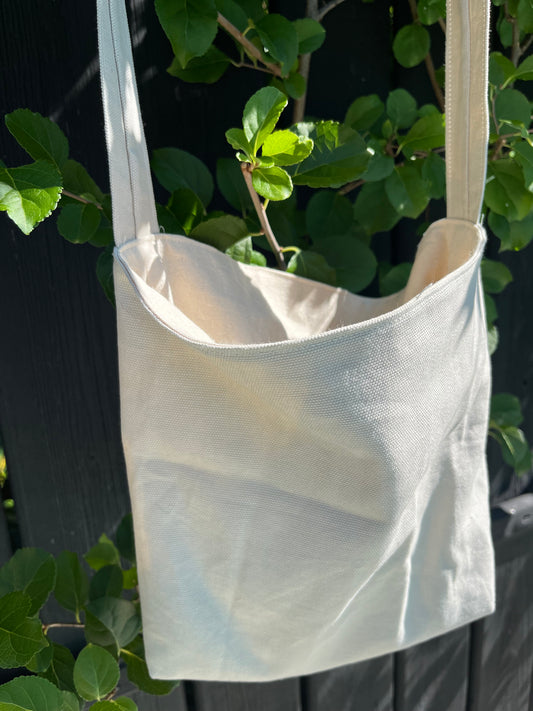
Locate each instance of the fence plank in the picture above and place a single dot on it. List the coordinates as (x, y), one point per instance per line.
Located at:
(502, 644)
(434, 675)
(281, 695)
(367, 686)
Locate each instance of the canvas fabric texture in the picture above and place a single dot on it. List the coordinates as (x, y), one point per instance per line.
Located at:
(306, 466)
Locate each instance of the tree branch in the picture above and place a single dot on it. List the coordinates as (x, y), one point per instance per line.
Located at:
(261, 214)
(250, 48)
(327, 8)
(429, 63)
(80, 199)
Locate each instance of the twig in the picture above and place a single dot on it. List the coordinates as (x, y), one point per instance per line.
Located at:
(61, 624)
(515, 52)
(327, 8)
(442, 25)
(261, 214)
(350, 186)
(80, 199)
(248, 46)
(429, 63)
(243, 65)
(303, 68)
(526, 46)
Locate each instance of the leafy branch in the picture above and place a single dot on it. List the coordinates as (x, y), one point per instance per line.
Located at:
(249, 47)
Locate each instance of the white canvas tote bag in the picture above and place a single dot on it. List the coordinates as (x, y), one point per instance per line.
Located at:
(306, 467)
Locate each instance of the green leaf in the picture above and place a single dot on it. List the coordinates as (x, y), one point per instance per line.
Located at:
(96, 673)
(220, 232)
(138, 673)
(176, 169)
(71, 702)
(103, 553)
(395, 279)
(493, 338)
(106, 582)
(354, 261)
(122, 703)
(287, 222)
(280, 40)
(373, 210)
(380, 165)
(236, 138)
(434, 176)
(411, 45)
(61, 667)
(111, 621)
(490, 309)
(513, 235)
(286, 148)
(515, 449)
(31, 694)
(429, 11)
(524, 16)
(311, 35)
(29, 193)
(129, 578)
(254, 9)
(261, 115)
(272, 183)
(406, 191)
(243, 251)
(41, 661)
(294, 85)
(495, 276)
(511, 106)
(31, 571)
(401, 108)
(125, 538)
(427, 133)
(206, 69)
(41, 138)
(524, 71)
(231, 184)
(232, 11)
(332, 167)
(501, 69)
(505, 409)
(78, 223)
(72, 584)
(186, 207)
(505, 192)
(190, 25)
(364, 112)
(505, 31)
(312, 266)
(104, 273)
(327, 214)
(21, 636)
(78, 181)
(524, 156)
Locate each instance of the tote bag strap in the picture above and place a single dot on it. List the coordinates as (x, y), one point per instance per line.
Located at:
(467, 124)
(467, 113)
(134, 214)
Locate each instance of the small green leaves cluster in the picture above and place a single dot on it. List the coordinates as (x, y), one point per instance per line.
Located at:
(30, 193)
(101, 594)
(505, 418)
(261, 39)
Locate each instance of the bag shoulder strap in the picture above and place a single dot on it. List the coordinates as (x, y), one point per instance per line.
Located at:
(467, 113)
(467, 122)
(132, 194)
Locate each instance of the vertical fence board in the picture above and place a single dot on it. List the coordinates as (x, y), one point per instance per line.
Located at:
(434, 675)
(367, 686)
(281, 695)
(502, 649)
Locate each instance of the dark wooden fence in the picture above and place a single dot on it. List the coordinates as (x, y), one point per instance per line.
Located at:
(59, 407)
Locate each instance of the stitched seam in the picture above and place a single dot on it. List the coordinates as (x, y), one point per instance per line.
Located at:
(123, 115)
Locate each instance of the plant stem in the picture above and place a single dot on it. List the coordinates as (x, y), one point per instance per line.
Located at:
(428, 60)
(303, 68)
(261, 214)
(80, 199)
(248, 46)
(350, 186)
(516, 51)
(61, 624)
(327, 8)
